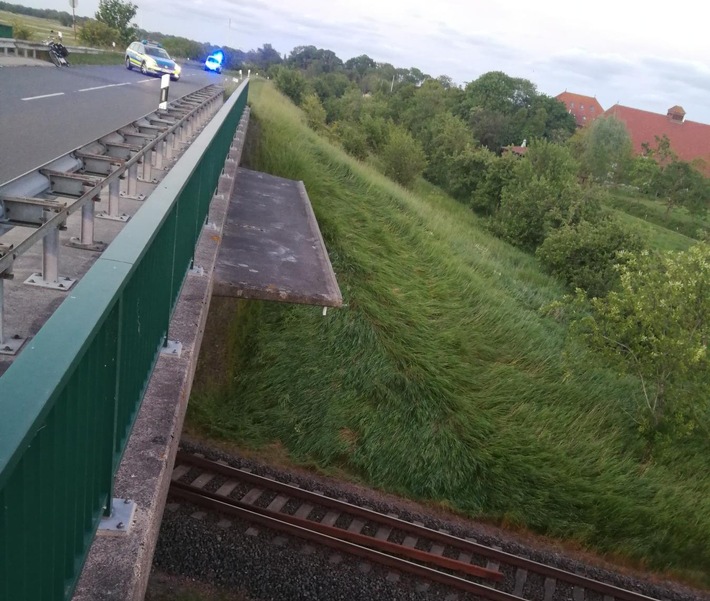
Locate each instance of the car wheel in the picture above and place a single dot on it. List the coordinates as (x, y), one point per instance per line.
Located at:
(174, 78)
(143, 69)
(129, 66)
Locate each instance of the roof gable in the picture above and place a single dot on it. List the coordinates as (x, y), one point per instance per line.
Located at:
(585, 109)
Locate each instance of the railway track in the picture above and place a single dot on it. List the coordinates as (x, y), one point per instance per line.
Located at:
(383, 539)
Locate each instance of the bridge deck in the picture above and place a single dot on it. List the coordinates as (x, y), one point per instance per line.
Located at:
(272, 248)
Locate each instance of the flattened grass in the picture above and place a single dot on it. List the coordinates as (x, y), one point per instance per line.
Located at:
(440, 380)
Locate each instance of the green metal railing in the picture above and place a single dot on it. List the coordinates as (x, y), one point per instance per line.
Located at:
(68, 402)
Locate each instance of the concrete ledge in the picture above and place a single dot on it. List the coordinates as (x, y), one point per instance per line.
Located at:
(118, 567)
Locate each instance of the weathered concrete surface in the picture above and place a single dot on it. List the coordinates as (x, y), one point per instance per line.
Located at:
(118, 567)
(272, 247)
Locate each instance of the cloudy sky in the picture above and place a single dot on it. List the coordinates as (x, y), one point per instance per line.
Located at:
(640, 54)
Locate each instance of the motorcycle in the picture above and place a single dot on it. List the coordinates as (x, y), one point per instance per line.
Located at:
(57, 53)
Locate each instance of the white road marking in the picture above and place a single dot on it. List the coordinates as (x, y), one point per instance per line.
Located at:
(111, 85)
(44, 96)
(148, 80)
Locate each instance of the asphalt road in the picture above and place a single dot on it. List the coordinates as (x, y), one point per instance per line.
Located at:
(47, 112)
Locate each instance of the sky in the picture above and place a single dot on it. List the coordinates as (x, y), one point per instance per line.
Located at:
(647, 55)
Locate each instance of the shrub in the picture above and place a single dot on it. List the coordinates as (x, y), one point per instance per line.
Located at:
(402, 157)
(351, 138)
(97, 34)
(314, 111)
(20, 31)
(543, 194)
(584, 255)
(292, 83)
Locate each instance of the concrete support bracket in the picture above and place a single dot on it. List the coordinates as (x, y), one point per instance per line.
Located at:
(121, 519)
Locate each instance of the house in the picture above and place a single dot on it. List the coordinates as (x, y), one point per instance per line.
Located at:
(585, 109)
(689, 140)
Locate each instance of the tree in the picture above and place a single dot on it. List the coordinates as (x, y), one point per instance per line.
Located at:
(657, 328)
(402, 157)
(118, 15)
(682, 185)
(605, 151)
(97, 34)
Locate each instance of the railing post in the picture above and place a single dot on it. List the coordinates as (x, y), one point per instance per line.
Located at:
(86, 241)
(8, 345)
(49, 277)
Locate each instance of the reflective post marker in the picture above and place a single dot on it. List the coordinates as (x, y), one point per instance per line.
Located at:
(164, 86)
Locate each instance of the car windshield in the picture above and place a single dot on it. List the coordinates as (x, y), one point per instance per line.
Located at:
(159, 52)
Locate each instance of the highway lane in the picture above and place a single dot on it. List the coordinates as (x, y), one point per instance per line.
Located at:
(47, 112)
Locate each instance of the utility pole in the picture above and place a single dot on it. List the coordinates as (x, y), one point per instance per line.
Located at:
(73, 4)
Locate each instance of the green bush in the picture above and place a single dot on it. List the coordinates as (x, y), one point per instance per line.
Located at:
(351, 138)
(20, 31)
(98, 34)
(542, 195)
(403, 157)
(292, 83)
(584, 255)
(314, 111)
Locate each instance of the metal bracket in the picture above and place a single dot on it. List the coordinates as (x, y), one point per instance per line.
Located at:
(28, 212)
(62, 283)
(122, 217)
(121, 519)
(172, 348)
(75, 242)
(69, 184)
(12, 345)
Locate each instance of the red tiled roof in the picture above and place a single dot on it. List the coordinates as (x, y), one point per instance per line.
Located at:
(584, 108)
(689, 140)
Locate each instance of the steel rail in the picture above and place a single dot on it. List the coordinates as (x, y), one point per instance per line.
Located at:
(7, 260)
(459, 543)
(253, 514)
(354, 537)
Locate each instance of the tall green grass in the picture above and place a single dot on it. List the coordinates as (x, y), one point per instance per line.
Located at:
(440, 380)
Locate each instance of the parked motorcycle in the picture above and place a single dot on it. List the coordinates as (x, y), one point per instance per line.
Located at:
(57, 53)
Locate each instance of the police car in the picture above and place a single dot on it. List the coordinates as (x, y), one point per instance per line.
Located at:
(152, 59)
(214, 62)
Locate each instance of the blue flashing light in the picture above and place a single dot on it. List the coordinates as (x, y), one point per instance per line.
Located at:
(218, 56)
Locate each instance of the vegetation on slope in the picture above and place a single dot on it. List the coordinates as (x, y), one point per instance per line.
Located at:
(441, 381)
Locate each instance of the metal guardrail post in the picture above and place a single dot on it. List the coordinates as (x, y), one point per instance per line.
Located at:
(159, 154)
(8, 345)
(50, 278)
(86, 241)
(113, 207)
(170, 144)
(132, 183)
(147, 166)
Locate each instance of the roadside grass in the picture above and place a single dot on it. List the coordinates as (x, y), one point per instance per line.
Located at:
(439, 380)
(41, 28)
(103, 58)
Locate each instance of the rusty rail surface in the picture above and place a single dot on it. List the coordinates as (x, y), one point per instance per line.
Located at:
(377, 548)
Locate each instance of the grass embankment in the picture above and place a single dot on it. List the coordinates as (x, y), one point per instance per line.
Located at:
(440, 380)
(674, 230)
